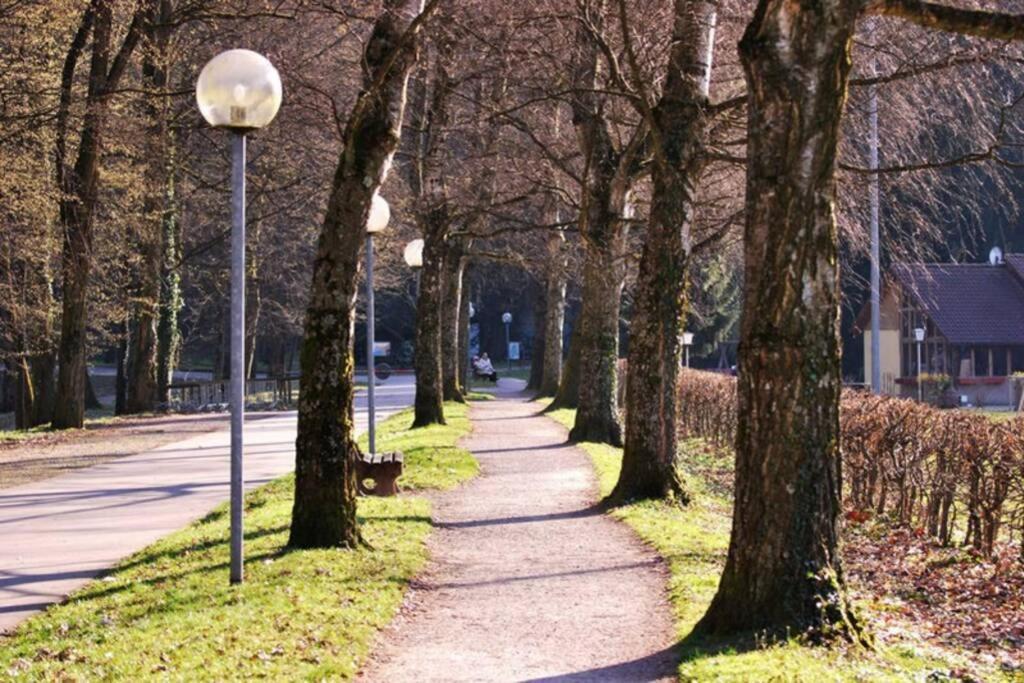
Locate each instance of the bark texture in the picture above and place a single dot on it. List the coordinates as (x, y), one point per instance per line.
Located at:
(142, 390)
(610, 173)
(569, 387)
(34, 393)
(452, 322)
(678, 133)
(554, 316)
(79, 184)
(597, 411)
(783, 572)
(537, 346)
(428, 407)
(324, 513)
(464, 330)
(429, 184)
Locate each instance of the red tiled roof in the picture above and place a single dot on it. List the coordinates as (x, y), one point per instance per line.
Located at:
(970, 303)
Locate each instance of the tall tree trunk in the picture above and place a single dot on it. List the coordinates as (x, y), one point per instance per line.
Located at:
(79, 186)
(222, 363)
(783, 573)
(142, 383)
(253, 307)
(34, 394)
(610, 172)
(554, 316)
(324, 513)
(428, 179)
(428, 407)
(121, 379)
(140, 370)
(452, 322)
(537, 348)
(168, 336)
(464, 323)
(597, 412)
(92, 401)
(655, 353)
(569, 388)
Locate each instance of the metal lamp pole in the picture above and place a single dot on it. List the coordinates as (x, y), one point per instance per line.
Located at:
(919, 335)
(687, 342)
(237, 390)
(371, 429)
(507, 319)
(380, 214)
(239, 90)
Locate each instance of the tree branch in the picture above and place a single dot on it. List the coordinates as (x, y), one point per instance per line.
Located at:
(980, 23)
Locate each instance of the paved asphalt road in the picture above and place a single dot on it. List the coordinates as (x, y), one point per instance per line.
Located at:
(59, 533)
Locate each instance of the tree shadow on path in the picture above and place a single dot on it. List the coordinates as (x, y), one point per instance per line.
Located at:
(658, 666)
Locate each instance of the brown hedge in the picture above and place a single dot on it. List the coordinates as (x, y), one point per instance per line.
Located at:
(957, 476)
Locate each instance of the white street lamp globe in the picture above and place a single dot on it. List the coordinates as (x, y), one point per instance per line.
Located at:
(380, 215)
(919, 334)
(506, 318)
(414, 254)
(472, 310)
(239, 89)
(687, 338)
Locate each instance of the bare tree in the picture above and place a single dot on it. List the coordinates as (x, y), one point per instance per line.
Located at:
(784, 571)
(325, 449)
(78, 184)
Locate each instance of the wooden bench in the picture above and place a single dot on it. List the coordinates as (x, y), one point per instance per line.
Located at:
(384, 469)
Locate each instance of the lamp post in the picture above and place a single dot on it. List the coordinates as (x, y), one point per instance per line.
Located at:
(238, 90)
(467, 352)
(380, 214)
(687, 343)
(507, 319)
(919, 336)
(413, 255)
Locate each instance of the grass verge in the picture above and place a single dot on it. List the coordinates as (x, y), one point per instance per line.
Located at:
(168, 610)
(694, 541)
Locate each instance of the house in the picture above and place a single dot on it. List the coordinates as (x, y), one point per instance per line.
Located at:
(973, 317)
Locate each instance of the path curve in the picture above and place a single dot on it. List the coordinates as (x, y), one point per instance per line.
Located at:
(527, 581)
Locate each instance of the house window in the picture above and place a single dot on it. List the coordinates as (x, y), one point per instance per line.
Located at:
(999, 361)
(933, 349)
(982, 368)
(1016, 359)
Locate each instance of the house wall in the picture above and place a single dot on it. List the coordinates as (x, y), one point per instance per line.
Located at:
(890, 355)
(889, 344)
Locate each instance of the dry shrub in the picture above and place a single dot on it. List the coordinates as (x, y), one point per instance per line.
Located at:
(955, 476)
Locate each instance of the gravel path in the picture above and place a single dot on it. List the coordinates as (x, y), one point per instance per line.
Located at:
(528, 581)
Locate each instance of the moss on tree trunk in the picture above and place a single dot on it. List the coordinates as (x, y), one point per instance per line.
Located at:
(554, 316)
(569, 387)
(324, 513)
(452, 322)
(597, 411)
(679, 121)
(784, 574)
(428, 407)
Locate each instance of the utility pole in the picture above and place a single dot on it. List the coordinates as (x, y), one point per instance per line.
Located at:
(876, 274)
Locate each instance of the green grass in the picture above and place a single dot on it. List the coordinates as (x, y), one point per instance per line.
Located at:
(516, 372)
(168, 611)
(93, 418)
(432, 458)
(694, 541)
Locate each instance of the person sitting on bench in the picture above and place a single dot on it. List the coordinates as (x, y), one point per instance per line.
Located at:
(483, 368)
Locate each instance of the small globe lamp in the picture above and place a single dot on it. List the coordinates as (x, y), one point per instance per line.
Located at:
(380, 216)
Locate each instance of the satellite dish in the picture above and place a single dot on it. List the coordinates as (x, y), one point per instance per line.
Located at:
(995, 256)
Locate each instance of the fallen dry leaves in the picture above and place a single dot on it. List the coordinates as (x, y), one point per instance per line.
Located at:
(949, 596)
